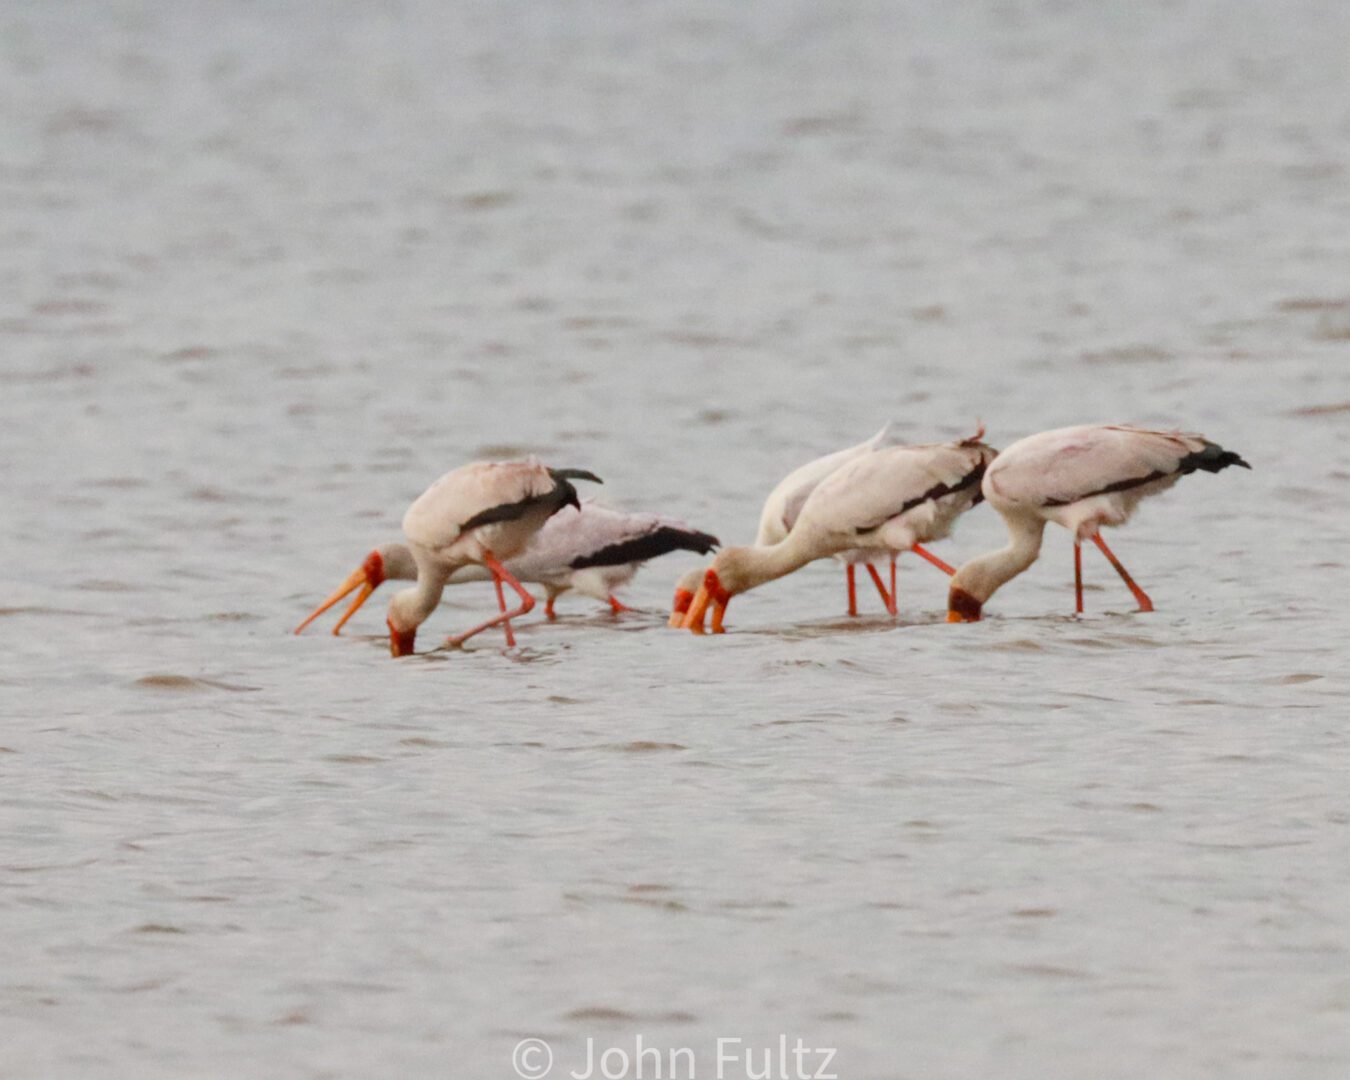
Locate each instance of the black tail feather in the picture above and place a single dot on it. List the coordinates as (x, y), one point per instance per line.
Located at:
(574, 474)
(563, 494)
(660, 541)
(1213, 458)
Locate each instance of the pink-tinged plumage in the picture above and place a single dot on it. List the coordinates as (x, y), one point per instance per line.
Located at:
(590, 548)
(1083, 478)
(886, 501)
(478, 514)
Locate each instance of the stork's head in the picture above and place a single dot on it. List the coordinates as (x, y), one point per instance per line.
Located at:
(388, 561)
(685, 589)
(403, 620)
(963, 606)
(972, 586)
(731, 573)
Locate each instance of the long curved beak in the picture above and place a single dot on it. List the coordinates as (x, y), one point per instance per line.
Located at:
(367, 577)
(366, 589)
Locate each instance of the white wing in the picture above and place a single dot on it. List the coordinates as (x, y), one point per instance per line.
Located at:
(1056, 468)
(785, 501)
(437, 517)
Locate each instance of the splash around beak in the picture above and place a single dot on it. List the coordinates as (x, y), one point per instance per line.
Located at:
(711, 592)
(367, 577)
(962, 607)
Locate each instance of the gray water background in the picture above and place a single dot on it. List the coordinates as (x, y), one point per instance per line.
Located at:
(267, 269)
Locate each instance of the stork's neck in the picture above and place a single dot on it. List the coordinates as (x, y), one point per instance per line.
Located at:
(756, 565)
(409, 608)
(398, 562)
(985, 574)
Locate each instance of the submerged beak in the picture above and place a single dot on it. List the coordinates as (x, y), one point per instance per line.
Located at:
(367, 577)
(683, 598)
(400, 641)
(962, 607)
(710, 592)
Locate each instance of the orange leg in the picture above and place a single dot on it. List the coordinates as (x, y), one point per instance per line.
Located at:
(886, 597)
(526, 601)
(1078, 576)
(549, 613)
(852, 590)
(924, 553)
(617, 607)
(501, 606)
(1145, 604)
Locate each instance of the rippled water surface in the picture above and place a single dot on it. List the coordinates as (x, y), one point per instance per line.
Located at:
(269, 269)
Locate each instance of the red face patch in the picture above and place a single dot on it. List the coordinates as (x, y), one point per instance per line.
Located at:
(374, 568)
(963, 607)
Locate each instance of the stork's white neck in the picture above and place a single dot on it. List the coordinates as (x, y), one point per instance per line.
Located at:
(985, 574)
(399, 564)
(409, 608)
(748, 567)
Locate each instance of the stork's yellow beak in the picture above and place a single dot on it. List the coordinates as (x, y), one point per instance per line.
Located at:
(710, 592)
(678, 609)
(367, 577)
(698, 608)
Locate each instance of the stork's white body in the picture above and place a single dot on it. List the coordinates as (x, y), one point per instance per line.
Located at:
(783, 507)
(579, 534)
(880, 502)
(1082, 478)
(435, 522)
(877, 501)
(481, 513)
(784, 504)
(582, 546)
(1061, 466)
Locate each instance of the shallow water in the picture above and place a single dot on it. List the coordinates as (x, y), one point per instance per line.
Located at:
(267, 274)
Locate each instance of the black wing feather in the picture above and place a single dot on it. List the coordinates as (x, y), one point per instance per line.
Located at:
(1211, 458)
(660, 541)
(561, 494)
(937, 491)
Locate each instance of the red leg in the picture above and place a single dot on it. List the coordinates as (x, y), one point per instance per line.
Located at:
(852, 590)
(549, 613)
(924, 553)
(617, 607)
(501, 606)
(1145, 604)
(526, 601)
(886, 597)
(1078, 576)
(894, 595)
